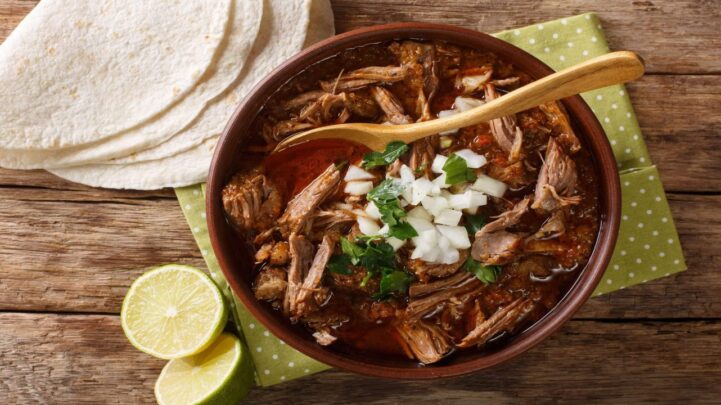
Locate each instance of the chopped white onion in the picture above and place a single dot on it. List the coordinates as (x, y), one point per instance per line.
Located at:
(420, 212)
(372, 210)
(438, 162)
(432, 255)
(473, 83)
(395, 242)
(356, 173)
(421, 188)
(420, 225)
(358, 187)
(368, 226)
(460, 201)
(478, 199)
(473, 160)
(448, 217)
(434, 205)
(489, 186)
(407, 175)
(466, 103)
(444, 243)
(458, 235)
(440, 181)
(444, 114)
(450, 256)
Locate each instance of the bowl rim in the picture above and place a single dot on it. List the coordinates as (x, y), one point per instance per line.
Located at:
(592, 135)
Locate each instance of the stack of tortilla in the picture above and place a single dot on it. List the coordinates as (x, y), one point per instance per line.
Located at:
(134, 94)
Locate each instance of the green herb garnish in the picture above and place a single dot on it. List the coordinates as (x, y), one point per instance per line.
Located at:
(385, 197)
(393, 281)
(457, 170)
(339, 264)
(474, 223)
(487, 274)
(393, 151)
(402, 231)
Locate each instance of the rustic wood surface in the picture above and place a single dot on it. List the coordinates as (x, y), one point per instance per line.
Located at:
(68, 252)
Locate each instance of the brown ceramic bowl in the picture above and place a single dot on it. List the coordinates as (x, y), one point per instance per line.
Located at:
(237, 264)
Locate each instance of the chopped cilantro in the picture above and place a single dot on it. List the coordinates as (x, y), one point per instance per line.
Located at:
(393, 151)
(487, 274)
(402, 231)
(393, 281)
(474, 223)
(388, 190)
(351, 250)
(339, 264)
(457, 170)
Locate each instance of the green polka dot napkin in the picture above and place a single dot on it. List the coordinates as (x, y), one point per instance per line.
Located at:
(647, 248)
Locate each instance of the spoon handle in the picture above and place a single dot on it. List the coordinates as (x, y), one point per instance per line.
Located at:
(601, 71)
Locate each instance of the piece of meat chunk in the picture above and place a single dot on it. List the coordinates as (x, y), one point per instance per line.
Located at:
(301, 100)
(556, 181)
(390, 106)
(275, 253)
(420, 60)
(553, 227)
(364, 77)
(418, 308)
(351, 283)
(493, 244)
(505, 130)
(558, 117)
(421, 156)
(504, 320)
(324, 337)
(427, 343)
(301, 256)
(252, 201)
(514, 174)
(270, 284)
(324, 110)
(425, 270)
(303, 205)
(332, 219)
(362, 104)
(420, 289)
(311, 284)
(472, 80)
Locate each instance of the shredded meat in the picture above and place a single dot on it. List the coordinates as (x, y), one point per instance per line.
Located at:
(332, 219)
(390, 106)
(427, 342)
(324, 337)
(514, 174)
(557, 180)
(252, 201)
(270, 284)
(505, 130)
(362, 104)
(422, 155)
(420, 289)
(364, 77)
(504, 320)
(559, 119)
(302, 206)
(301, 255)
(301, 100)
(473, 79)
(312, 281)
(420, 61)
(275, 253)
(493, 244)
(417, 308)
(553, 227)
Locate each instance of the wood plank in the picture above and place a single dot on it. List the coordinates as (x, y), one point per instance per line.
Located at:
(69, 255)
(85, 359)
(61, 254)
(672, 36)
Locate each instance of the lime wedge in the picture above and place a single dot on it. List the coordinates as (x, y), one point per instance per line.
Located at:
(173, 311)
(221, 374)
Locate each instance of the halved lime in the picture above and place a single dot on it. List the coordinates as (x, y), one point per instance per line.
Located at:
(173, 311)
(221, 374)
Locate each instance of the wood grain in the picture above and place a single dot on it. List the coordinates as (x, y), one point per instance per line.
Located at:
(672, 36)
(81, 359)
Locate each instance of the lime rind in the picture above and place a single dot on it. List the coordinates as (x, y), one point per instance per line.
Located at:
(211, 377)
(159, 337)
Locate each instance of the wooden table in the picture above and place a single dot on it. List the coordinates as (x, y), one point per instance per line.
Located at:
(68, 252)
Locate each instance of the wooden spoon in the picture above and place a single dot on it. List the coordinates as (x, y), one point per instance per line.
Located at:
(601, 71)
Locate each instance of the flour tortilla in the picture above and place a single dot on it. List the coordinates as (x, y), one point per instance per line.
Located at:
(290, 19)
(273, 46)
(75, 72)
(245, 19)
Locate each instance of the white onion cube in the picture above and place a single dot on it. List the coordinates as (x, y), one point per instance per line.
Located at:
(358, 187)
(372, 211)
(356, 173)
(489, 186)
(473, 159)
(434, 205)
(395, 242)
(461, 201)
(407, 175)
(420, 188)
(368, 226)
(420, 225)
(448, 217)
(420, 212)
(440, 181)
(438, 162)
(463, 104)
(450, 256)
(478, 199)
(458, 235)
